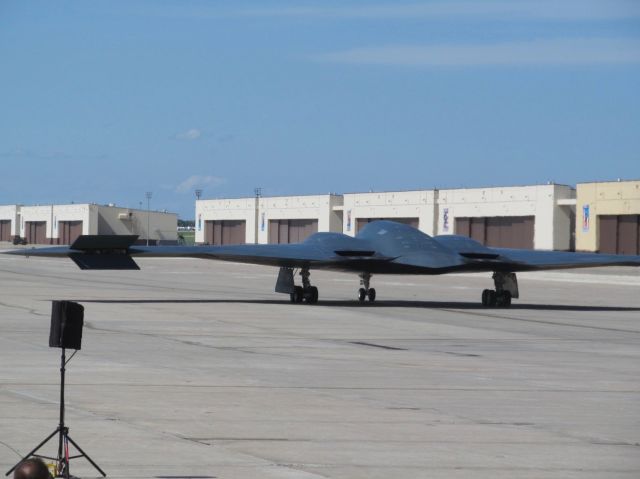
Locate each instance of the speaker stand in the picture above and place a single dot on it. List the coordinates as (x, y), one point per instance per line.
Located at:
(63, 458)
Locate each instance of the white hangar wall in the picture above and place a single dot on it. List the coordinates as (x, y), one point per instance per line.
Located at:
(266, 219)
(296, 217)
(9, 222)
(415, 207)
(538, 216)
(62, 224)
(548, 209)
(239, 216)
(41, 224)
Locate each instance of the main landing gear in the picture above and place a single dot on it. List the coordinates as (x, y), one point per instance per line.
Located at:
(365, 291)
(305, 293)
(506, 289)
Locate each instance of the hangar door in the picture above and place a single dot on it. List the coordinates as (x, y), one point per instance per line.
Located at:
(361, 222)
(219, 232)
(291, 231)
(36, 232)
(619, 234)
(498, 231)
(5, 230)
(68, 231)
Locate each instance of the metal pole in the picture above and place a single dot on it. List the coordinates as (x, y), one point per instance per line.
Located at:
(61, 425)
(148, 195)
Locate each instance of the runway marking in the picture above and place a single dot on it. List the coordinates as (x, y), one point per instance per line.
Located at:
(479, 389)
(361, 343)
(563, 277)
(203, 439)
(11, 448)
(552, 323)
(185, 477)
(466, 355)
(558, 277)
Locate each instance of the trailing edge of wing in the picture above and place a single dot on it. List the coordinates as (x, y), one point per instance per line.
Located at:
(103, 242)
(103, 261)
(354, 253)
(524, 260)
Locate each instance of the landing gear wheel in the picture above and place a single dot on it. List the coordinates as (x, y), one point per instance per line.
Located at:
(371, 294)
(492, 298)
(485, 297)
(297, 295)
(311, 295)
(507, 299)
(503, 299)
(362, 295)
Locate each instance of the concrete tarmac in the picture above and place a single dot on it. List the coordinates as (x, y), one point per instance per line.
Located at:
(193, 368)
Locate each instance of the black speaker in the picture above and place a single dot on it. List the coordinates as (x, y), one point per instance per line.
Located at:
(67, 319)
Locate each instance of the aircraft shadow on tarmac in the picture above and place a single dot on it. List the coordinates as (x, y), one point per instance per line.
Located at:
(377, 304)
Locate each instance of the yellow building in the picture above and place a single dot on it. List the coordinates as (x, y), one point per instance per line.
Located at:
(608, 217)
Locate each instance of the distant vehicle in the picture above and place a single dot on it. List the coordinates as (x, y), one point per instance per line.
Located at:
(17, 240)
(381, 247)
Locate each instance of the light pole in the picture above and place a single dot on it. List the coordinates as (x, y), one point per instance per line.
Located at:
(148, 195)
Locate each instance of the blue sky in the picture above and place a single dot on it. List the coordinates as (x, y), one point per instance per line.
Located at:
(102, 101)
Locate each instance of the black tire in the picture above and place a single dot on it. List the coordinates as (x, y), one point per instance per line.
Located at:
(371, 294)
(485, 297)
(313, 295)
(492, 298)
(505, 299)
(298, 294)
(310, 295)
(362, 295)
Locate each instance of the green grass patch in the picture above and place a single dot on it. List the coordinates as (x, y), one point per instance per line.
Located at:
(189, 237)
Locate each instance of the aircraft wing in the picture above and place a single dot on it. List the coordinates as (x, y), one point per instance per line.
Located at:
(480, 257)
(335, 251)
(530, 260)
(118, 252)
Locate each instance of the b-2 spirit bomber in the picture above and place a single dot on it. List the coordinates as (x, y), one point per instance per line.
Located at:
(381, 247)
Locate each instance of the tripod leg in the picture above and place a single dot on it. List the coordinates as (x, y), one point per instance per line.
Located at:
(33, 451)
(86, 456)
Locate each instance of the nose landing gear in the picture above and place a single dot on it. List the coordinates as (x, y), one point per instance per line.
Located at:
(306, 292)
(492, 298)
(506, 289)
(365, 291)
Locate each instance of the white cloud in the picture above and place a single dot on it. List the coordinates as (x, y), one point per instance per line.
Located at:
(558, 52)
(189, 135)
(198, 181)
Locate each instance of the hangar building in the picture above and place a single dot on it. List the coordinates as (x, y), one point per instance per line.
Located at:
(291, 219)
(533, 217)
(539, 216)
(62, 224)
(280, 219)
(608, 217)
(226, 221)
(415, 208)
(9, 221)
